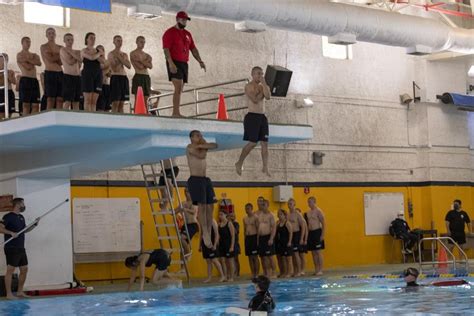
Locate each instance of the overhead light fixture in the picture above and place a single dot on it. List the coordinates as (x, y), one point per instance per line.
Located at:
(305, 103)
(250, 27)
(308, 102)
(144, 11)
(470, 73)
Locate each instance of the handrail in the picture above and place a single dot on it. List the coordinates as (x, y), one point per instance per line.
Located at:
(5, 84)
(196, 101)
(439, 239)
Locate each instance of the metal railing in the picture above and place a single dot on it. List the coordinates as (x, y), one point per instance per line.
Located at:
(197, 100)
(435, 262)
(5, 84)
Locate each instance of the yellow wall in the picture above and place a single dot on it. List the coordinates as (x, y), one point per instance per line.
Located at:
(346, 243)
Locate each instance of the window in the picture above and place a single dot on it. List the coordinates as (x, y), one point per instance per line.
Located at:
(336, 51)
(38, 13)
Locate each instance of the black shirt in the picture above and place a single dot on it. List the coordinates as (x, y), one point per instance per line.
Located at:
(413, 283)
(400, 226)
(456, 220)
(262, 302)
(14, 222)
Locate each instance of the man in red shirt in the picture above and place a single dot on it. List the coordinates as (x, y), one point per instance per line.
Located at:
(177, 42)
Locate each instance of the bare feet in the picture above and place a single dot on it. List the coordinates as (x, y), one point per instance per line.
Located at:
(238, 168)
(22, 294)
(11, 297)
(230, 280)
(319, 273)
(265, 171)
(177, 115)
(207, 280)
(222, 279)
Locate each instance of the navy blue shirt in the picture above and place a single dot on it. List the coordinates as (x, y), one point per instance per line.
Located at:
(14, 222)
(457, 220)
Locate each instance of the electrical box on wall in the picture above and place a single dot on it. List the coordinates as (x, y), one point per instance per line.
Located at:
(282, 193)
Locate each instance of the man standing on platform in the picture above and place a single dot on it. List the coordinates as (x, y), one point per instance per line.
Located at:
(255, 122)
(119, 86)
(15, 253)
(177, 43)
(53, 72)
(455, 221)
(28, 84)
(141, 62)
(200, 186)
(71, 60)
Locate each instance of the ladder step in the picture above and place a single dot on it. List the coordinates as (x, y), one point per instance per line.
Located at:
(174, 250)
(167, 237)
(156, 187)
(164, 225)
(158, 200)
(162, 213)
(177, 262)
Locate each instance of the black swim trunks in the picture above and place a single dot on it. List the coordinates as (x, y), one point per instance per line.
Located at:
(256, 127)
(182, 71)
(119, 88)
(53, 84)
(201, 190)
(16, 257)
(72, 88)
(141, 80)
(251, 245)
(264, 249)
(91, 76)
(193, 228)
(11, 101)
(160, 258)
(169, 175)
(208, 253)
(314, 240)
(29, 90)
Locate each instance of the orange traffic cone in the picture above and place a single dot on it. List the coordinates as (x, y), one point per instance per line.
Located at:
(140, 102)
(442, 260)
(222, 109)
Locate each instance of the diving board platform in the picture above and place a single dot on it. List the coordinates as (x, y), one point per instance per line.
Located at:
(39, 154)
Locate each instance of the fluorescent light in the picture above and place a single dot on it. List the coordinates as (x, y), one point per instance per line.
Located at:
(308, 102)
(470, 73)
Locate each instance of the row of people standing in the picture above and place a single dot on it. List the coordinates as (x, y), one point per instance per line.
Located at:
(289, 238)
(98, 81)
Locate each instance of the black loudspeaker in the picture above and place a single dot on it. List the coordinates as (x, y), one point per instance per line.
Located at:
(278, 78)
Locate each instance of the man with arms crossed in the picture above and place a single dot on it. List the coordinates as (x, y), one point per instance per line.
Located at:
(255, 122)
(71, 60)
(266, 237)
(200, 186)
(251, 239)
(298, 225)
(141, 62)
(10, 225)
(119, 86)
(177, 42)
(456, 220)
(317, 229)
(29, 85)
(53, 72)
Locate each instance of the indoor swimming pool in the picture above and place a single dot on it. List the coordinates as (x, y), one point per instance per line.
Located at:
(335, 296)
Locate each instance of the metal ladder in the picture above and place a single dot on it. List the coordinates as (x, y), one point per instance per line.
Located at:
(165, 220)
(433, 263)
(5, 84)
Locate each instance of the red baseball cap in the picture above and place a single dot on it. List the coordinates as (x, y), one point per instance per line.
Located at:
(183, 15)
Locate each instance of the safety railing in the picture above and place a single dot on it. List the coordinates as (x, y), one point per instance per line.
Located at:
(197, 100)
(5, 84)
(434, 262)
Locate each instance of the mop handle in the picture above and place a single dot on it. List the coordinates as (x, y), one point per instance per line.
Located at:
(35, 222)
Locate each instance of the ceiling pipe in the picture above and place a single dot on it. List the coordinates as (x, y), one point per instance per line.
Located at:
(325, 18)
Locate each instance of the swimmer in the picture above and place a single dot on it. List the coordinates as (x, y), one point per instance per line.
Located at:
(71, 86)
(283, 244)
(210, 254)
(317, 230)
(411, 275)
(251, 239)
(91, 75)
(141, 62)
(119, 85)
(266, 236)
(299, 227)
(53, 72)
(159, 257)
(226, 245)
(28, 84)
(263, 300)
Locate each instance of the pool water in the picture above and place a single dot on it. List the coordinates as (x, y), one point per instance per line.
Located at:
(293, 297)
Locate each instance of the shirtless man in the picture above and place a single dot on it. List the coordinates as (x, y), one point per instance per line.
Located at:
(200, 186)
(141, 62)
(266, 237)
(255, 122)
(260, 207)
(119, 86)
(103, 102)
(11, 80)
(190, 215)
(317, 229)
(298, 226)
(71, 60)
(29, 85)
(53, 73)
(251, 239)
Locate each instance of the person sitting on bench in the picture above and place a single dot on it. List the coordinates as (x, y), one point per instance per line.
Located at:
(399, 229)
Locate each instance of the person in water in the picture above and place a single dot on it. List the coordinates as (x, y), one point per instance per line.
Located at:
(262, 301)
(411, 275)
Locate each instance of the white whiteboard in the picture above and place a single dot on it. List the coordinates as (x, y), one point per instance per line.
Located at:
(380, 210)
(106, 225)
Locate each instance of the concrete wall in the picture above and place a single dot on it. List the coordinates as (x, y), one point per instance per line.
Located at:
(358, 122)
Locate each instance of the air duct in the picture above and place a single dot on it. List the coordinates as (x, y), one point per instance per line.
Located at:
(329, 19)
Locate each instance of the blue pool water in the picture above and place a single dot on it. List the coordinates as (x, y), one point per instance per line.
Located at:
(293, 297)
